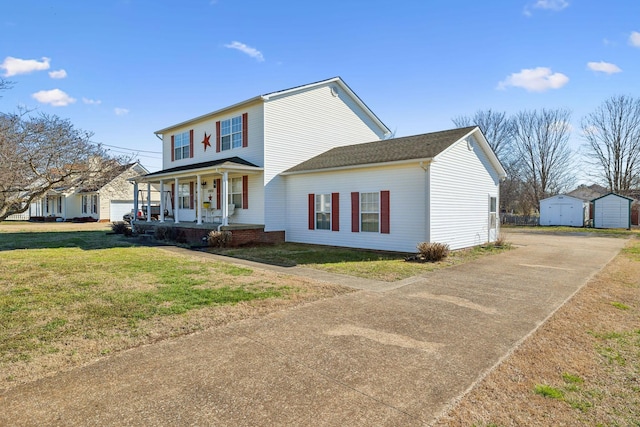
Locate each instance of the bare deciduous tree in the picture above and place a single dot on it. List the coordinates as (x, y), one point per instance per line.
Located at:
(612, 134)
(495, 126)
(541, 141)
(42, 152)
(498, 129)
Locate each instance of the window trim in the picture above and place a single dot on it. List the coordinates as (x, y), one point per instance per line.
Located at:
(231, 131)
(323, 199)
(182, 145)
(364, 212)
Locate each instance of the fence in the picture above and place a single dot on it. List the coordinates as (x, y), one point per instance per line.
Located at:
(510, 219)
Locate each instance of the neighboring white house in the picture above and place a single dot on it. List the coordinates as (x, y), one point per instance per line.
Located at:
(612, 211)
(106, 200)
(564, 210)
(313, 164)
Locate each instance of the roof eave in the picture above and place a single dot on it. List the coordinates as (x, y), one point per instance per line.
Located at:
(419, 162)
(209, 115)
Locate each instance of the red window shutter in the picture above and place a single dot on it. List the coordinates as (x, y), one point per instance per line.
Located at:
(217, 136)
(173, 146)
(384, 212)
(335, 211)
(191, 143)
(190, 194)
(173, 194)
(245, 136)
(355, 212)
(218, 193)
(245, 192)
(312, 211)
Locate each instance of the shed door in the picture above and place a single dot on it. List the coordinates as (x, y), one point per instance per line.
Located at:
(562, 213)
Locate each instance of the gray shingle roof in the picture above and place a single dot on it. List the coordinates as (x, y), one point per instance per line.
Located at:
(201, 165)
(422, 146)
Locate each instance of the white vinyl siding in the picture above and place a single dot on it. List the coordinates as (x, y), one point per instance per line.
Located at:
(252, 153)
(462, 181)
(406, 185)
(302, 125)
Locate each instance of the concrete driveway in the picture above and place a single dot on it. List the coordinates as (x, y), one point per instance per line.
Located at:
(393, 357)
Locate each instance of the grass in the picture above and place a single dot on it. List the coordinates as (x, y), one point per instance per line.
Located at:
(376, 265)
(66, 297)
(617, 232)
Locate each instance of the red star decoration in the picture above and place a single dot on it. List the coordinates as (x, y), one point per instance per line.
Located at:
(206, 142)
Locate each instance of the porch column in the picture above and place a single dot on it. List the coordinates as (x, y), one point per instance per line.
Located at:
(176, 207)
(199, 199)
(135, 205)
(161, 200)
(225, 198)
(148, 202)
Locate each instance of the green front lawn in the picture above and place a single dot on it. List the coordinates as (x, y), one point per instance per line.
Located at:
(375, 265)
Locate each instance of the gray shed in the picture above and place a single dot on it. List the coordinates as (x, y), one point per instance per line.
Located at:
(563, 210)
(612, 211)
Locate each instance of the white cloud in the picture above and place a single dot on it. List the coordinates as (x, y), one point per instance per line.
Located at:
(551, 4)
(555, 5)
(634, 39)
(537, 79)
(14, 66)
(59, 74)
(604, 67)
(91, 101)
(251, 51)
(55, 97)
(121, 111)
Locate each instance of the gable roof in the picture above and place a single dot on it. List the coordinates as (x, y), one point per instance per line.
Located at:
(613, 194)
(417, 147)
(269, 96)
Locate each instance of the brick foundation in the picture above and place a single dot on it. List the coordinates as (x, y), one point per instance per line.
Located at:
(240, 235)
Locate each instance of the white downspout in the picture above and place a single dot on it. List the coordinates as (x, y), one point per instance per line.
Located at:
(175, 202)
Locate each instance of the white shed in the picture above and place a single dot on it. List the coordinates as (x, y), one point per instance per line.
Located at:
(563, 210)
(612, 211)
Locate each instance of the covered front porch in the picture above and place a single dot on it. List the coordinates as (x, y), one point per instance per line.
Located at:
(211, 193)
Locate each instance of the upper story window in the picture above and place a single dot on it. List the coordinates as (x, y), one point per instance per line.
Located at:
(231, 133)
(181, 146)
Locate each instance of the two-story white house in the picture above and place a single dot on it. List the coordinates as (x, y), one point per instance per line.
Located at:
(314, 164)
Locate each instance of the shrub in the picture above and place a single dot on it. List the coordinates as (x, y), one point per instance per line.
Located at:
(119, 227)
(433, 251)
(219, 239)
(501, 242)
(160, 233)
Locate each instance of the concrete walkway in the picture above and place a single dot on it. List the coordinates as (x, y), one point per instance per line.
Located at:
(378, 357)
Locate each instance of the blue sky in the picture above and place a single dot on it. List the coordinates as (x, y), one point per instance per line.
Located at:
(123, 69)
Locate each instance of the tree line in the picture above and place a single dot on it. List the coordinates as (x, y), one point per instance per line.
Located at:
(40, 153)
(533, 147)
